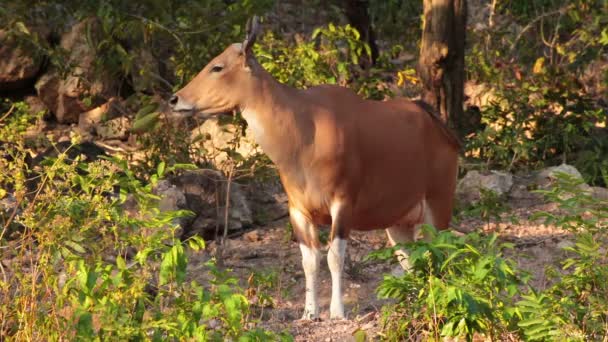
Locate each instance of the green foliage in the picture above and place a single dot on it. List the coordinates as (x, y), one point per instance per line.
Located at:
(130, 284)
(545, 109)
(261, 284)
(395, 19)
(15, 118)
(574, 307)
(579, 211)
(330, 56)
(489, 207)
(457, 287)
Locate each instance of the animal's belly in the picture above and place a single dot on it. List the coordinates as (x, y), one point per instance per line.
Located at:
(382, 216)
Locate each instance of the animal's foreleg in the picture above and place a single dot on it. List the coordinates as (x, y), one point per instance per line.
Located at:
(311, 258)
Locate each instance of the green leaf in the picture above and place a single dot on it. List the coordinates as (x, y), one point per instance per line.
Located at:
(120, 263)
(360, 335)
(146, 123)
(160, 169)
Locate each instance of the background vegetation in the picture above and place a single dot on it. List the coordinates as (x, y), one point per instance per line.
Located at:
(89, 255)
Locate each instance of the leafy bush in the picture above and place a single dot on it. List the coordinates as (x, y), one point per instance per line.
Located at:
(574, 307)
(463, 286)
(85, 262)
(331, 56)
(457, 287)
(547, 105)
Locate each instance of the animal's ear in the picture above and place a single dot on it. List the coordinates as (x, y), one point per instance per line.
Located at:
(252, 29)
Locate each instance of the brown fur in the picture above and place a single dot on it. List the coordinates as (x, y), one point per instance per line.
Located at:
(380, 159)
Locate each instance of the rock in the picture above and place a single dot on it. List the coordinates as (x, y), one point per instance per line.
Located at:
(88, 120)
(479, 95)
(205, 191)
(84, 87)
(468, 188)
(19, 64)
(146, 69)
(171, 198)
(114, 129)
(546, 178)
(7, 205)
(35, 134)
(599, 193)
(252, 236)
(214, 138)
(268, 200)
(565, 244)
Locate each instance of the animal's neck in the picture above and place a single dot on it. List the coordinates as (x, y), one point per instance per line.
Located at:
(280, 125)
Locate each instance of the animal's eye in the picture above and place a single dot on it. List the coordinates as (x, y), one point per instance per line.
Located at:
(217, 68)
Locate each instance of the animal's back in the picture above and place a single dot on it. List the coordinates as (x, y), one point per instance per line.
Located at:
(387, 151)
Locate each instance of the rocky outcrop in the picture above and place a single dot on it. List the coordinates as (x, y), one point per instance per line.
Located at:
(215, 138)
(83, 88)
(18, 64)
(204, 193)
(470, 187)
(547, 177)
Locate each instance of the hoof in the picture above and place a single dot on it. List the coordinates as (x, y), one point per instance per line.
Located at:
(310, 317)
(337, 315)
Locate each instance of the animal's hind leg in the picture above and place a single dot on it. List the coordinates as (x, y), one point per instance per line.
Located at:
(407, 231)
(401, 234)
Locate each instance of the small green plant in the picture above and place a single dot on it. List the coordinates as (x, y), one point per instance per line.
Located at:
(489, 208)
(261, 289)
(574, 307)
(459, 286)
(330, 56)
(579, 211)
(89, 263)
(15, 118)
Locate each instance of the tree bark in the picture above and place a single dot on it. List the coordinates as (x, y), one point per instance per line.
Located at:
(358, 17)
(441, 63)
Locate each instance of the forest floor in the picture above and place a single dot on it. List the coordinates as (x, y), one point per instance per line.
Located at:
(270, 250)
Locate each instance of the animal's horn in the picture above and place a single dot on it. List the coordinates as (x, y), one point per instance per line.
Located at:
(251, 34)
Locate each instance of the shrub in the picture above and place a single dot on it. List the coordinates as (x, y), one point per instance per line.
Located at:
(575, 306)
(457, 287)
(83, 263)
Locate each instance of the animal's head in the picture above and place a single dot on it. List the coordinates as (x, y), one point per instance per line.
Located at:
(222, 84)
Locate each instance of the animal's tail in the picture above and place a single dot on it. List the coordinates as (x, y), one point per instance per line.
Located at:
(447, 132)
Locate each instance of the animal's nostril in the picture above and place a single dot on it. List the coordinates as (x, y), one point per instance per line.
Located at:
(173, 100)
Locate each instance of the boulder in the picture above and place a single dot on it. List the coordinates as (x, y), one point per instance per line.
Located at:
(117, 128)
(203, 192)
(599, 193)
(469, 187)
(18, 64)
(546, 178)
(268, 200)
(87, 121)
(84, 87)
(214, 138)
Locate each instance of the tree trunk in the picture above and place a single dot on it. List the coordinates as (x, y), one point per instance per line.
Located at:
(358, 17)
(441, 64)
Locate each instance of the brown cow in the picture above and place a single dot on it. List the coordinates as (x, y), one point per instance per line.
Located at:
(343, 160)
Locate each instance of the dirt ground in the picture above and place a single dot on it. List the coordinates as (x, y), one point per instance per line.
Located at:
(269, 249)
